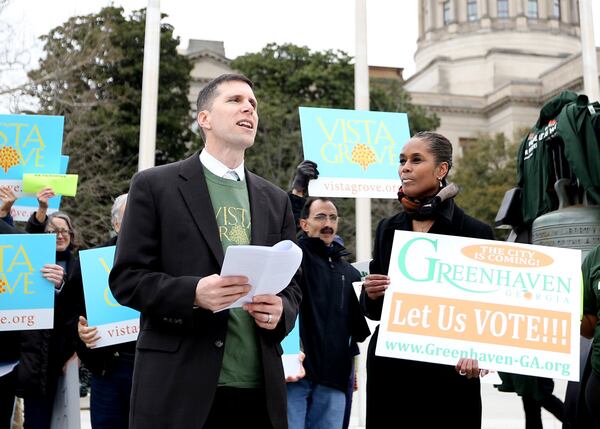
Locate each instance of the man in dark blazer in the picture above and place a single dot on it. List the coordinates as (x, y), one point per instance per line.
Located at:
(197, 367)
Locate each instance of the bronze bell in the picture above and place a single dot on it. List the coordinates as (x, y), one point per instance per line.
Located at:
(571, 226)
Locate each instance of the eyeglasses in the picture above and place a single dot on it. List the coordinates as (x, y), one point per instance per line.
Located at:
(321, 217)
(60, 231)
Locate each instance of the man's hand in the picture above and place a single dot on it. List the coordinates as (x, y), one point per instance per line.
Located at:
(89, 335)
(54, 273)
(215, 292)
(375, 285)
(8, 198)
(266, 310)
(305, 172)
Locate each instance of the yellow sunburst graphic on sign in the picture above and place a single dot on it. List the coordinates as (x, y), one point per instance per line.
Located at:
(237, 234)
(363, 155)
(9, 157)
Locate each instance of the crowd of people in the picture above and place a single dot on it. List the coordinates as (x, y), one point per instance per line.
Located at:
(198, 365)
(43, 354)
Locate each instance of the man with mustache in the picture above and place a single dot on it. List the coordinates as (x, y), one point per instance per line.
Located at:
(330, 321)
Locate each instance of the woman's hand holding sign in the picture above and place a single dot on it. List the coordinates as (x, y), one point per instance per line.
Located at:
(89, 335)
(54, 273)
(470, 368)
(375, 285)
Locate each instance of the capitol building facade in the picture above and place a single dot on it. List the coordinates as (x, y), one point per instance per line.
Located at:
(487, 66)
(483, 66)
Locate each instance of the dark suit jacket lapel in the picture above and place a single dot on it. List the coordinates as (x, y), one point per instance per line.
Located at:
(258, 209)
(194, 191)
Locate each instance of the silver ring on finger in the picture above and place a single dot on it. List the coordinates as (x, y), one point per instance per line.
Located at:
(462, 372)
(270, 318)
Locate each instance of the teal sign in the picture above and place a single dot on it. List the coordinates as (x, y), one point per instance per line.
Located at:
(353, 143)
(100, 304)
(29, 144)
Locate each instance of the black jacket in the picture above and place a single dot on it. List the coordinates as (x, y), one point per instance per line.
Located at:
(45, 351)
(413, 383)
(9, 348)
(330, 316)
(9, 340)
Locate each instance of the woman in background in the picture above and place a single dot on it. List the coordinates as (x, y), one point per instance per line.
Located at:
(424, 394)
(45, 352)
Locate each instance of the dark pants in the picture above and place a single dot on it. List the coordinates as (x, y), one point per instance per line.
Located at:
(38, 411)
(109, 401)
(349, 394)
(576, 413)
(533, 410)
(238, 408)
(7, 399)
(592, 398)
(424, 395)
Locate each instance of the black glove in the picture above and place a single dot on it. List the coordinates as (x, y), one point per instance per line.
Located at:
(306, 171)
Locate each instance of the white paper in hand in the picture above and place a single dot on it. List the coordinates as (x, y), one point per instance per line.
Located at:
(269, 269)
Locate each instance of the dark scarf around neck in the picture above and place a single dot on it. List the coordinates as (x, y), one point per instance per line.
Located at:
(426, 208)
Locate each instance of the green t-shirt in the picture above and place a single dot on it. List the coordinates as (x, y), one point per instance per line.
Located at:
(535, 170)
(567, 121)
(581, 143)
(591, 299)
(241, 361)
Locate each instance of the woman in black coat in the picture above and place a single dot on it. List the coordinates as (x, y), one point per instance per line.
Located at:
(425, 394)
(44, 352)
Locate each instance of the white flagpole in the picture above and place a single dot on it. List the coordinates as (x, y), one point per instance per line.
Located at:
(588, 51)
(363, 205)
(150, 86)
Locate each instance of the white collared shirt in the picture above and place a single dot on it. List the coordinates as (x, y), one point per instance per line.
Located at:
(217, 168)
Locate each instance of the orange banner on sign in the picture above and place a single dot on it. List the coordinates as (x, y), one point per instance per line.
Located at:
(480, 322)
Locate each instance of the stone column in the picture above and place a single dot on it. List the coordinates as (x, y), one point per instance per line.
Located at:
(516, 7)
(483, 9)
(460, 13)
(421, 19)
(432, 15)
(453, 27)
(544, 9)
(438, 14)
(566, 7)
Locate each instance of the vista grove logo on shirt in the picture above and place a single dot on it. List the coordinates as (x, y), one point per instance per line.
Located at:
(234, 225)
